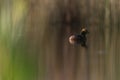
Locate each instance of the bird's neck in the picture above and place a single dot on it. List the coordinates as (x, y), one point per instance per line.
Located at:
(84, 35)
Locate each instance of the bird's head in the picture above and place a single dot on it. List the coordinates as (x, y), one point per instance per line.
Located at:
(84, 31)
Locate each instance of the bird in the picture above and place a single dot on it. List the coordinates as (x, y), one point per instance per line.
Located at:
(79, 38)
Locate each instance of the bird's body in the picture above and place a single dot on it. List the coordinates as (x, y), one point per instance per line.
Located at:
(79, 38)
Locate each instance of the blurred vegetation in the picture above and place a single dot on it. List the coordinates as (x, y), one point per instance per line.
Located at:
(34, 40)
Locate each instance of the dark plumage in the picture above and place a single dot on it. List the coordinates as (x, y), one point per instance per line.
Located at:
(79, 38)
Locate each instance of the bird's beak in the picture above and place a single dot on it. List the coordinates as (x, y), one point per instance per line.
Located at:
(87, 32)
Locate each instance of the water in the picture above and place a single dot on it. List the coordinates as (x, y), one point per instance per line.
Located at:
(34, 40)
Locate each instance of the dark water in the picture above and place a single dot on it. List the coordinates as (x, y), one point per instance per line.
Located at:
(34, 40)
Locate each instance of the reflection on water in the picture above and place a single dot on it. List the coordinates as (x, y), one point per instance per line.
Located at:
(34, 40)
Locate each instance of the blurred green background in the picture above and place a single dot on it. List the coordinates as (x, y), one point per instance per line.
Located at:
(34, 40)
